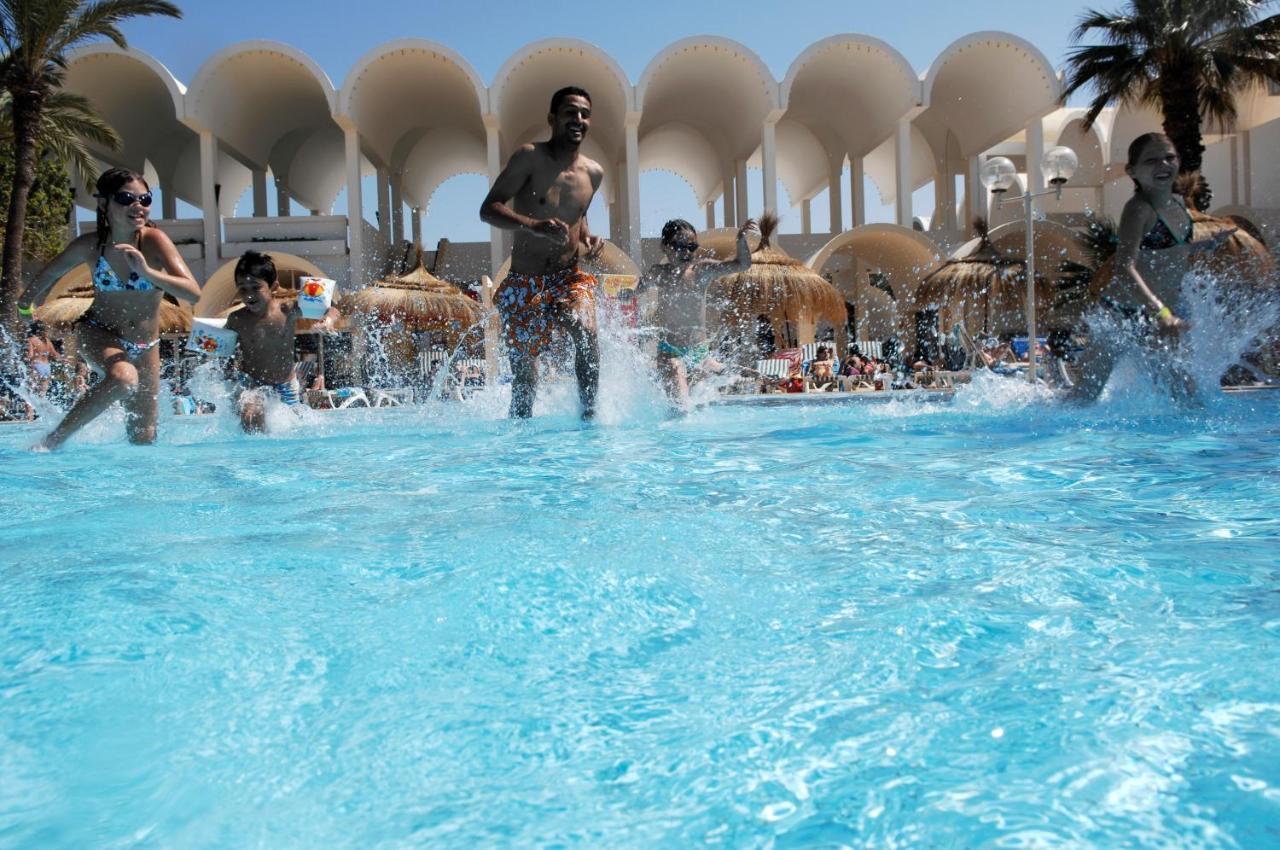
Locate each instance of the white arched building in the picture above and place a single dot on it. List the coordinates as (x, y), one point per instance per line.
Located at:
(412, 114)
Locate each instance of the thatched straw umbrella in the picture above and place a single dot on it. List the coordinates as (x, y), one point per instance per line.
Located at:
(777, 286)
(61, 314)
(419, 301)
(984, 289)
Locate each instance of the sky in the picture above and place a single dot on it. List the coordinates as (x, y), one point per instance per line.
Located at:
(337, 34)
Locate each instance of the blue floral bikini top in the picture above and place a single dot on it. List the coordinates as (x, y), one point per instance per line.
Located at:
(105, 279)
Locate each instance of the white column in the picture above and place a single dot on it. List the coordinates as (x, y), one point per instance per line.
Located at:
(806, 216)
(615, 222)
(1246, 169)
(209, 202)
(355, 209)
(834, 199)
(1035, 153)
(857, 192)
(633, 187)
(974, 191)
(282, 198)
(493, 150)
(711, 215)
(740, 189)
(259, 193)
(1235, 169)
(168, 200)
(729, 211)
(902, 172)
(73, 228)
(948, 179)
(624, 209)
(384, 205)
(416, 226)
(769, 159)
(397, 211)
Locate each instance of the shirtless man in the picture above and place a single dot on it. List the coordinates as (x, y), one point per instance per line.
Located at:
(543, 194)
(680, 312)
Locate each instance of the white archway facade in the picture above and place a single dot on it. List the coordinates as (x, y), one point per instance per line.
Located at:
(878, 90)
(413, 114)
(721, 93)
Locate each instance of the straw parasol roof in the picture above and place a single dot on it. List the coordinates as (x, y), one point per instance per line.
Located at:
(983, 288)
(61, 314)
(419, 300)
(777, 286)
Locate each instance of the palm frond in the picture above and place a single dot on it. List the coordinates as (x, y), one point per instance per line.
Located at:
(101, 19)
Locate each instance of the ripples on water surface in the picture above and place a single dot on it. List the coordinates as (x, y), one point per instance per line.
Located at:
(857, 626)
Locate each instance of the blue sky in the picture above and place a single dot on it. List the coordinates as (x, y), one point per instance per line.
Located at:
(337, 34)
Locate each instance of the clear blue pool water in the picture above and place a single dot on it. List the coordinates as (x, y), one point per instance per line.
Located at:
(967, 625)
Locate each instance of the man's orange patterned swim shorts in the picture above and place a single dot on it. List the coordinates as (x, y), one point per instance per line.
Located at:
(528, 304)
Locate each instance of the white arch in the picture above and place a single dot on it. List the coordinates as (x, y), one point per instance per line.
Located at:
(520, 100)
(875, 86)
(140, 98)
(351, 84)
(694, 42)
(680, 149)
(217, 103)
(713, 84)
(431, 157)
(889, 246)
(1001, 83)
(177, 91)
(802, 161)
(411, 84)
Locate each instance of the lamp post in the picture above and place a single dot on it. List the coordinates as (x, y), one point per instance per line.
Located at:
(1058, 166)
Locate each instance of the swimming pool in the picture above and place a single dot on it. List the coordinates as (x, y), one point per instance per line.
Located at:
(976, 624)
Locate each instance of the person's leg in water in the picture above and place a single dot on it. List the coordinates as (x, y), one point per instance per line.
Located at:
(142, 408)
(580, 324)
(120, 381)
(524, 384)
(675, 380)
(253, 412)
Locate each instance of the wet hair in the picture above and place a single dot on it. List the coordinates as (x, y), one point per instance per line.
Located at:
(672, 229)
(257, 265)
(566, 92)
(1138, 145)
(109, 182)
(37, 328)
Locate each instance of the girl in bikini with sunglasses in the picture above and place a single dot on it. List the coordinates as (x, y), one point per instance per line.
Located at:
(134, 266)
(1152, 258)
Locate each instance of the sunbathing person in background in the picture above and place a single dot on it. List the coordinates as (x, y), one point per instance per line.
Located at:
(265, 338)
(822, 374)
(680, 313)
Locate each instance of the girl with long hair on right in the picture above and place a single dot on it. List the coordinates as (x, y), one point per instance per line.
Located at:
(134, 266)
(1142, 297)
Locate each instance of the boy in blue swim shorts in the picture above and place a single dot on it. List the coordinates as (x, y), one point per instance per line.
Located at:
(265, 329)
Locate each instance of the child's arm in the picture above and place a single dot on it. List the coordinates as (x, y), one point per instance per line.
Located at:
(329, 321)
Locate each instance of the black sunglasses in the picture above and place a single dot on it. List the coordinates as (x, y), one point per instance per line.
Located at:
(684, 246)
(126, 199)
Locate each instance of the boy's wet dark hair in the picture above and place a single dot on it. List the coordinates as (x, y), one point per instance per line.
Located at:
(672, 229)
(258, 265)
(566, 92)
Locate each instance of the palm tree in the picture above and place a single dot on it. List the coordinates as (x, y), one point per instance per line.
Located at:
(35, 37)
(68, 129)
(1188, 58)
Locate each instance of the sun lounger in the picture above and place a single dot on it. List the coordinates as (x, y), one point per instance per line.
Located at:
(394, 397)
(344, 397)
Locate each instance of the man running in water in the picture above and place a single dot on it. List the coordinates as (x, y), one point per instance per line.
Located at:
(543, 194)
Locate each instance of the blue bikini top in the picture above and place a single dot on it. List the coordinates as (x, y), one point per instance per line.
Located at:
(105, 279)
